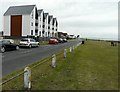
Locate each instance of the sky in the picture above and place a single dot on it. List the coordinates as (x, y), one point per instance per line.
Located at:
(87, 18)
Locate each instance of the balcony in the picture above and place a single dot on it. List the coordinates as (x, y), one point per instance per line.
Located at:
(36, 27)
(36, 21)
(44, 23)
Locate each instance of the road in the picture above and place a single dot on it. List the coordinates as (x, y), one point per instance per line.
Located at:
(14, 60)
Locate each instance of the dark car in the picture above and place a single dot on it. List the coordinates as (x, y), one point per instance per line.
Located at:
(60, 40)
(7, 45)
(64, 40)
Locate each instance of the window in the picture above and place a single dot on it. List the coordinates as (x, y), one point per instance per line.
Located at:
(36, 32)
(36, 24)
(43, 26)
(48, 27)
(31, 23)
(31, 32)
(39, 33)
(46, 34)
(32, 40)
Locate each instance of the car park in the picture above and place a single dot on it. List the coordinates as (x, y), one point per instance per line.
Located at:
(53, 41)
(28, 42)
(8, 45)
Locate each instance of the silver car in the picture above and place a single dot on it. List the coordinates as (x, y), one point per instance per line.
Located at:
(28, 42)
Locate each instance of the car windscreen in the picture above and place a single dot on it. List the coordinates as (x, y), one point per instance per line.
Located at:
(24, 40)
(5, 42)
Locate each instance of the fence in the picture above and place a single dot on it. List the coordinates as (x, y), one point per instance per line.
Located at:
(27, 71)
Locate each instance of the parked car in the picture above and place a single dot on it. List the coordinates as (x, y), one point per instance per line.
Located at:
(28, 42)
(64, 40)
(7, 45)
(60, 40)
(53, 41)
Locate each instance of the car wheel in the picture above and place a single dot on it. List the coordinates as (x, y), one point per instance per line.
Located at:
(2, 49)
(30, 46)
(38, 45)
(17, 47)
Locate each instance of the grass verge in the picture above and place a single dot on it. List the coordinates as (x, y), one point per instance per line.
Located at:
(92, 66)
(44, 43)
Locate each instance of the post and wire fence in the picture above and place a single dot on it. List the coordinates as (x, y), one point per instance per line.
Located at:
(27, 84)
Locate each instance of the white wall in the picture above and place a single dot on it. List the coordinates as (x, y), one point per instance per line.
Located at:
(51, 26)
(32, 21)
(46, 27)
(26, 25)
(7, 25)
(40, 22)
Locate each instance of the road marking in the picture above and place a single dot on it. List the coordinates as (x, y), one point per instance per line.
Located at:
(25, 52)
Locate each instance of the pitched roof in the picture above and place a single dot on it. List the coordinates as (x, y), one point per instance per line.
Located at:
(45, 15)
(49, 18)
(56, 23)
(19, 10)
(39, 12)
(54, 19)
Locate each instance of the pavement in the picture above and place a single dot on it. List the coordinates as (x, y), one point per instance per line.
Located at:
(15, 60)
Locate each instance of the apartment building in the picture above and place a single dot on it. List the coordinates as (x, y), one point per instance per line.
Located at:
(45, 23)
(55, 28)
(50, 26)
(40, 22)
(21, 21)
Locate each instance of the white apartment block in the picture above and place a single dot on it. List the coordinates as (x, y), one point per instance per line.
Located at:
(55, 28)
(46, 24)
(21, 21)
(40, 22)
(50, 26)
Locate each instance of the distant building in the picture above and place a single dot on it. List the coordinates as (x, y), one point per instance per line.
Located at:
(62, 35)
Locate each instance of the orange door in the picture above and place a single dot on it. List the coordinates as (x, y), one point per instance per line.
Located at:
(16, 25)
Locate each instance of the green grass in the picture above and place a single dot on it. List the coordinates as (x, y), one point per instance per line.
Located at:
(44, 43)
(92, 66)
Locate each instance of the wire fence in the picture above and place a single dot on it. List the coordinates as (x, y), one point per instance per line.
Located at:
(27, 71)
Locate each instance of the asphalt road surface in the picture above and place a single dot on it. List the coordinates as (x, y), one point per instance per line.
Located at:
(14, 60)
